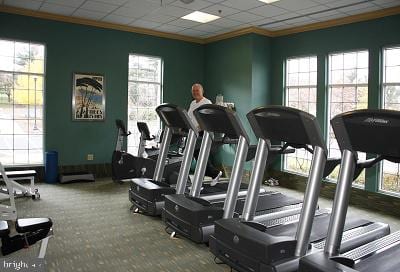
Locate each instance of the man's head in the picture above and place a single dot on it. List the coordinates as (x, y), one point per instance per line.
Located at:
(197, 92)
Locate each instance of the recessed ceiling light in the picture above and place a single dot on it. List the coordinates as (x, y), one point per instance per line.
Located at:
(200, 17)
(268, 1)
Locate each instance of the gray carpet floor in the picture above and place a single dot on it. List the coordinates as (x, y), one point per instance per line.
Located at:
(94, 230)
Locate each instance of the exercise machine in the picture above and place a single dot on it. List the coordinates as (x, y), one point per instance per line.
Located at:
(147, 195)
(277, 243)
(30, 230)
(20, 190)
(193, 215)
(126, 166)
(381, 254)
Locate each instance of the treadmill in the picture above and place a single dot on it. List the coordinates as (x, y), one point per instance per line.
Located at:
(277, 244)
(350, 129)
(193, 216)
(147, 195)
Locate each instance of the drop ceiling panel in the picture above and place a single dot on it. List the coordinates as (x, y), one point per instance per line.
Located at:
(117, 19)
(295, 5)
(98, 6)
(242, 4)
(89, 14)
(235, 14)
(195, 5)
(69, 3)
(245, 17)
(220, 10)
(268, 11)
(144, 24)
(26, 4)
(57, 9)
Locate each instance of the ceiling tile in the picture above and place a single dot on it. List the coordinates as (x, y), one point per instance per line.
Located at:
(117, 19)
(295, 5)
(332, 17)
(174, 11)
(89, 14)
(195, 5)
(285, 16)
(69, 3)
(144, 24)
(364, 10)
(208, 28)
(325, 14)
(131, 12)
(112, 2)
(98, 6)
(245, 17)
(389, 4)
(143, 4)
(242, 4)
(357, 7)
(268, 11)
(215, 1)
(324, 1)
(158, 2)
(276, 26)
(193, 32)
(220, 10)
(159, 18)
(340, 3)
(263, 22)
(57, 9)
(225, 22)
(169, 28)
(183, 23)
(313, 9)
(27, 4)
(301, 21)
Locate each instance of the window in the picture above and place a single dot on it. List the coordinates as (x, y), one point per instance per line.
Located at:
(348, 90)
(22, 72)
(144, 95)
(301, 93)
(390, 172)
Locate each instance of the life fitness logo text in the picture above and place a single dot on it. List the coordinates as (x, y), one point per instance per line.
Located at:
(372, 120)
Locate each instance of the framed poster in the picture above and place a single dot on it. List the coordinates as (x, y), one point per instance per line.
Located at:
(88, 97)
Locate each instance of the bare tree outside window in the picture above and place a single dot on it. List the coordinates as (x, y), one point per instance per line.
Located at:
(390, 172)
(301, 93)
(21, 102)
(144, 95)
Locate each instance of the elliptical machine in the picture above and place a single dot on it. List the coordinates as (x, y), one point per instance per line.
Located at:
(127, 166)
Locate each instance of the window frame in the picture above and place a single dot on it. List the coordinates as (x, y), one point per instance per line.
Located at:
(328, 97)
(382, 105)
(44, 75)
(285, 98)
(161, 84)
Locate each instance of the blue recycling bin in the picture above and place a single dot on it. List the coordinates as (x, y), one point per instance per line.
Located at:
(51, 167)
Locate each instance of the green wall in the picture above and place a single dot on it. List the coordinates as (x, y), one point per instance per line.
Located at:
(77, 48)
(238, 68)
(371, 35)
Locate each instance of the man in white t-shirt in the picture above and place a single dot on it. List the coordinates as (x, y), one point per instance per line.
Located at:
(199, 100)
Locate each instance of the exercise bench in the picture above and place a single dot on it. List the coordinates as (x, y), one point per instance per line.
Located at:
(20, 190)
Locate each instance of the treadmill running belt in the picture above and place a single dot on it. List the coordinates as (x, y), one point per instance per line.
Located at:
(219, 187)
(385, 261)
(319, 228)
(270, 201)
